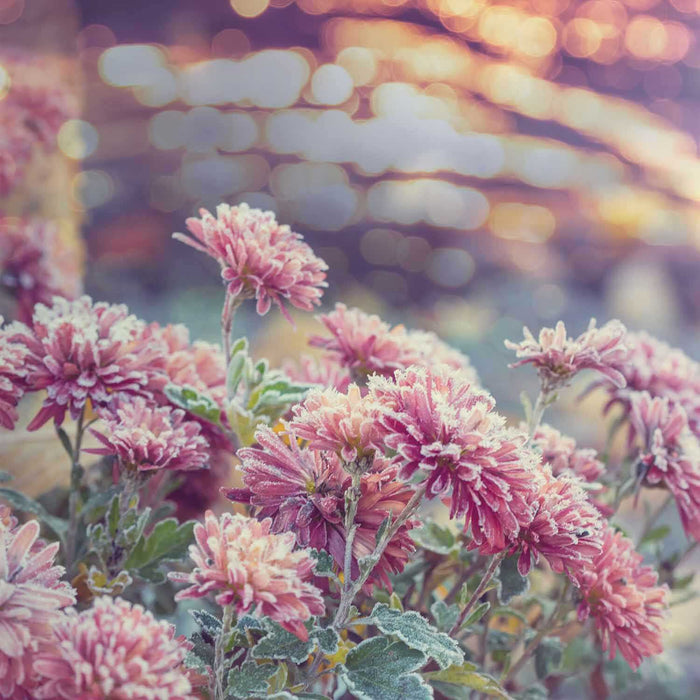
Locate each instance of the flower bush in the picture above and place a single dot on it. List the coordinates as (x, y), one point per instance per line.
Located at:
(383, 516)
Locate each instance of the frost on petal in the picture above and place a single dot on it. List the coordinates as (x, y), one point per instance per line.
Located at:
(13, 374)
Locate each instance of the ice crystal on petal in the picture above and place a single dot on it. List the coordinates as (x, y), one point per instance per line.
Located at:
(563, 456)
(559, 358)
(114, 650)
(31, 597)
(624, 600)
(322, 372)
(258, 257)
(242, 563)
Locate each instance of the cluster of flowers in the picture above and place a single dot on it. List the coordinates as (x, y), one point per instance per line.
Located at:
(395, 418)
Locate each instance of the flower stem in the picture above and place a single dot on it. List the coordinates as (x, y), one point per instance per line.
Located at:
(541, 403)
(488, 575)
(219, 677)
(532, 645)
(76, 474)
(228, 312)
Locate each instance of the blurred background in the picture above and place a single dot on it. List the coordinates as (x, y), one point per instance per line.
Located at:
(465, 166)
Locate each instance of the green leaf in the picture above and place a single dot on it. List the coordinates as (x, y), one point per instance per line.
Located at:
(5, 477)
(168, 541)
(445, 615)
(683, 582)
(548, 656)
(237, 364)
(434, 538)
(208, 623)
(657, 533)
(510, 582)
(65, 441)
(29, 505)
(198, 404)
(415, 631)
(250, 680)
(382, 529)
(279, 644)
(327, 639)
(535, 692)
(324, 563)
(377, 669)
(469, 675)
(476, 615)
(97, 505)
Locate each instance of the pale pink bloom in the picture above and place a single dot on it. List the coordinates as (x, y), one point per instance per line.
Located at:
(669, 454)
(566, 528)
(242, 563)
(115, 650)
(439, 425)
(33, 265)
(559, 451)
(13, 374)
(31, 597)
(197, 364)
(364, 344)
(345, 423)
(303, 491)
(79, 351)
(259, 257)
(559, 358)
(322, 372)
(624, 599)
(654, 366)
(149, 438)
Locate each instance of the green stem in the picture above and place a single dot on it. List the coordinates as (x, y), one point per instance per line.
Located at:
(648, 526)
(542, 632)
(76, 474)
(543, 400)
(488, 575)
(219, 678)
(461, 580)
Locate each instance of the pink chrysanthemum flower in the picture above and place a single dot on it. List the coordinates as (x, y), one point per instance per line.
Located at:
(561, 454)
(79, 351)
(13, 374)
(558, 358)
(670, 454)
(114, 650)
(322, 372)
(303, 491)
(148, 438)
(32, 265)
(259, 257)
(345, 423)
(566, 529)
(624, 600)
(364, 344)
(653, 366)
(31, 597)
(438, 424)
(197, 364)
(244, 564)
